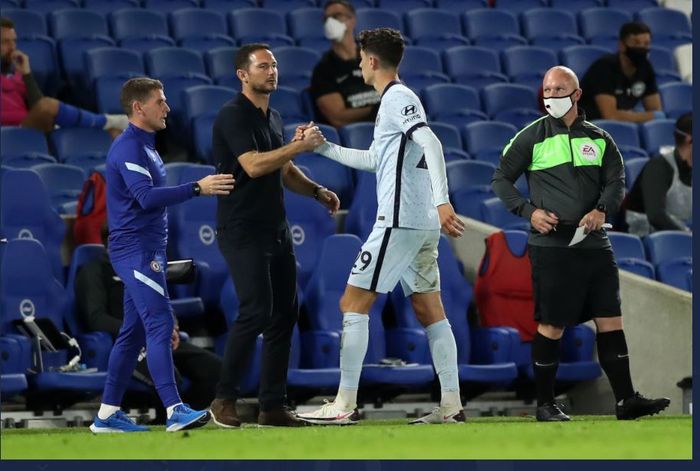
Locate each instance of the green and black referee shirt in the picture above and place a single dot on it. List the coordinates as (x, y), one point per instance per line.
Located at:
(569, 171)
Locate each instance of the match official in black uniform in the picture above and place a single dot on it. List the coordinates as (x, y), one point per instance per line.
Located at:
(254, 238)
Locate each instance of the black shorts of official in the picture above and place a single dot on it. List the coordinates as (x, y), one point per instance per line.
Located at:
(571, 286)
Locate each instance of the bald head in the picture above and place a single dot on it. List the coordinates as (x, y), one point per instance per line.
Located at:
(559, 73)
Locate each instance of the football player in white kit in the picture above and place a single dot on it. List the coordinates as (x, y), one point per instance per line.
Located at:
(413, 205)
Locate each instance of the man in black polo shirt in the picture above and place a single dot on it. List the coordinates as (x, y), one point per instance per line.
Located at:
(337, 87)
(615, 83)
(254, 238)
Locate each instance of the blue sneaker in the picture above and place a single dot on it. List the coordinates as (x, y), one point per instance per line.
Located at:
(184, 418)
(118, 422)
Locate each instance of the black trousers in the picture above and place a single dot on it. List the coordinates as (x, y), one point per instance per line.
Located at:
(263, 267)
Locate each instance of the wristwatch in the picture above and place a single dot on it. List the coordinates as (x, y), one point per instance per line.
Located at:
(196, 189)
(317, 188)
(602, 208)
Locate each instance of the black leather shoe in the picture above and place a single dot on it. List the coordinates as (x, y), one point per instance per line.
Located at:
(280, 418)
(551, 412)
(638, 406)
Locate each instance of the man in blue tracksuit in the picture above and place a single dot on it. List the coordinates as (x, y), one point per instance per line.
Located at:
(138, 232)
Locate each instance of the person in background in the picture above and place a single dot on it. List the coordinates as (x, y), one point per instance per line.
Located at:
(337, 88)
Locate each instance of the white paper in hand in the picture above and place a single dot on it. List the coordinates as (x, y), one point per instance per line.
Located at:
(581, 234)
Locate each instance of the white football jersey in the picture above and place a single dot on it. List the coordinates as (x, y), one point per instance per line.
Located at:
(404, 191)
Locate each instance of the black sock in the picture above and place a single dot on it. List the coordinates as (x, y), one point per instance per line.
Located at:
(613, 357)
(545, 361)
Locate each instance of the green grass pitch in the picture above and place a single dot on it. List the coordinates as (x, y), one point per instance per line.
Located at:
(586, 437)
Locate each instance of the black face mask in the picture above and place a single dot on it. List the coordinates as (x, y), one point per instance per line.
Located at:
(638, 55)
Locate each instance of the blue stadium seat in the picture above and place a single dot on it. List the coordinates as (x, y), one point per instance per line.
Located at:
(259, 25)
(401, 5)
(112, 61)
(17, 141)
(459, 6)
(362, 213)
(220, 63)
(229, 306)
(469, 174)
(77, 23)
(670, 28)
(322, 296)
(285, 6)
(295, 65)
(664, 64)
(625, 135)
(62, 181)
(27, 214)
(71, 53)
(602, 23)
(42, 51)
(310, 224)
(632, 6)
(205, 99)
(357, 135)
(107, 92)
(451, 141)
(192, 235)
(440, 103)
(656, 134)
(288, 102)
(519, 6)
(95, 345)
(484, 355)
(494, 212)
(499, 28)
(550, 27)
(527, 64)
(318, 379)
(226, 6)
(201, 127)
(473, 66)
(580, 58)
(169, 6)
(7, 4)
(435, 29)
(174, 62)
(28, 287)
(14, 363)
(179, 128)
(306, 26)
(421, 67)
(360, 3)
(330, 174)
(633, 168)
(105, 7)
(204, 44)
(145, 44)
(576, 6)
(372, 18)
(27, 22)
(138, 23)
(485, 140)
(663, 246)
(467, 201)
(677, 273)
(629, 254)
(83, 147)
(47, 6)
(197, 23)
(676, 98)
(510, 103)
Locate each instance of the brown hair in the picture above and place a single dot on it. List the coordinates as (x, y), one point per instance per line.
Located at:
(137, 89)
(242, 60)
(5, 22)
(385, 43)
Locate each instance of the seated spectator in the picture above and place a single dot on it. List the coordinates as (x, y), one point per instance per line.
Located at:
(615, 83)
(99, 296)
(337, 87)
(23, 103)
(661, 197)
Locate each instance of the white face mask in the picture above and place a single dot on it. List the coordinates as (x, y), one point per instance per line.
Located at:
(334, 29)
(559, 106)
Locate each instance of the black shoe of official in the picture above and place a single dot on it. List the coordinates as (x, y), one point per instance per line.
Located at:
(638, 406)
(551, 412)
